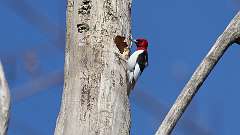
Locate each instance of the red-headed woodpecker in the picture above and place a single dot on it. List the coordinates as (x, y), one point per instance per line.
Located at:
(138, 60)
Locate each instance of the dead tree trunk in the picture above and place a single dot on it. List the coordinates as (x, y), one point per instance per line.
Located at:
(95, 100)
(228, 37)
(4, 102)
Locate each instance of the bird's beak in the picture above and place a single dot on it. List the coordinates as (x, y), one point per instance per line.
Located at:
(133, 40)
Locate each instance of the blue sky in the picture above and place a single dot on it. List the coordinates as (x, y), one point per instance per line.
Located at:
(180, 33)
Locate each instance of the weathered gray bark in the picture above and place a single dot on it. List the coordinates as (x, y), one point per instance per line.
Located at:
(4, 102)
(229, 36)
(95, 100)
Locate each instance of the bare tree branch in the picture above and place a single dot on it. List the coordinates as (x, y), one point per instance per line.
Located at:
(228, 37)
(35, 18)
(4, 102)
(37, 85)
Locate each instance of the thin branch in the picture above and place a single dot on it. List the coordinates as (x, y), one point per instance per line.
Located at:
(4, 102)
(228, 37)
(40, 21)
(37, 85)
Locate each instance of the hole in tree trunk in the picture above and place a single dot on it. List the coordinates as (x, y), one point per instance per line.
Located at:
(120, 43)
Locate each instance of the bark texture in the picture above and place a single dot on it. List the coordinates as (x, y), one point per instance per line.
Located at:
(95, 100)
(4, 102)
(228, 37)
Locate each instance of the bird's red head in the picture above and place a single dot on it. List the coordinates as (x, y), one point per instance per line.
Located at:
(142, 44)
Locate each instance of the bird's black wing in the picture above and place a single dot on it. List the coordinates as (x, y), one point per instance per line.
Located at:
(142, 60)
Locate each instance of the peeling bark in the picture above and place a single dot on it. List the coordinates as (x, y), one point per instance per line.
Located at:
(4, 102)
(95, 100)
(228, 37)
